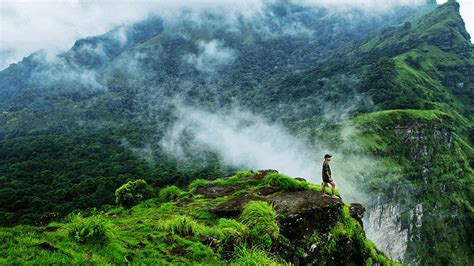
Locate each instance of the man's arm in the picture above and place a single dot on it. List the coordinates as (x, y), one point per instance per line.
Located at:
(327, 174)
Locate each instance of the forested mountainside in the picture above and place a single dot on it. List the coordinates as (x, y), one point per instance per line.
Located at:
(391, 93)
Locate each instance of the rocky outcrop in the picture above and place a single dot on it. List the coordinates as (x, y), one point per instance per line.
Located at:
(304, 212)
(301, 215)
(420, 141)
(356, 211)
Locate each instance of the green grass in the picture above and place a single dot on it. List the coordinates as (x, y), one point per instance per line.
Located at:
(391, 117)
(181, 225)
(232, 230)
(156, 231)
(253, 257)
(170, 193)
(260, 218)
(198, 183)
(94, 229)
(284, 182)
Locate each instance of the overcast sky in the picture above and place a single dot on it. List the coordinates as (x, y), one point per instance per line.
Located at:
(27, 26)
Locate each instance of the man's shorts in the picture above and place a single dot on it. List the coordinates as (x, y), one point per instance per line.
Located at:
(326, 179)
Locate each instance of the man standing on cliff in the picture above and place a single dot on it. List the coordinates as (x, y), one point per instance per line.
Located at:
(327, 176)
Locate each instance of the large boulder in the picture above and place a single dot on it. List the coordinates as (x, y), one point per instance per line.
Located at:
(304, 212)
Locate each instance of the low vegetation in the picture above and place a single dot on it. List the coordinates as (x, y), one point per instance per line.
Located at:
(133, 192)
(260, 218)
(177, 227)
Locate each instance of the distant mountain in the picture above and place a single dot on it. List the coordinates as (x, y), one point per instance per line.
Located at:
(77, 126)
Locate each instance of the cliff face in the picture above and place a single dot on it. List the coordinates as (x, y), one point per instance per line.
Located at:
(252, 217)
(422, 145)
(424, 134)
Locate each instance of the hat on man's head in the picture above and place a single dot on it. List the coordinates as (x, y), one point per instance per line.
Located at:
(327, 156)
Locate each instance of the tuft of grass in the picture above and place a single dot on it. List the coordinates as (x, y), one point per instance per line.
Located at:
(252, 257)
(284, 182)
(233, 179)
(242, 174)
(232, 230)
(181, 225)
(223, 182)
(170, 193)
(166, 208)
(198, 183)
(94, 229)
(260, 218)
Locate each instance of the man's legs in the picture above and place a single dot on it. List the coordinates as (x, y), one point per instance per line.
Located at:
(323, 188)
(333, 188)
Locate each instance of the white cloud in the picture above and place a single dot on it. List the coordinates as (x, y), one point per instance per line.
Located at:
(30, 25)
(248, 141)
(370, 5)
(211, 55)
(60, 72)
(241, 139)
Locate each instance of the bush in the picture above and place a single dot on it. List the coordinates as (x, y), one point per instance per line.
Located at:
(94, 229)
(252, 257)
(170, 193)
(284, 182)
(259, 217)
(133, 192)
(181, 225)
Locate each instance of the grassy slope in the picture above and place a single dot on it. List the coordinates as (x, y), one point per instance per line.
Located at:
(435, 171)
(164, 231)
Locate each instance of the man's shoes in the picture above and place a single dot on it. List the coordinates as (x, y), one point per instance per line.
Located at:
(325, 195)
(335, 197)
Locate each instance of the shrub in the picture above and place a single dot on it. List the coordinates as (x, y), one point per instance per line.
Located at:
(284, 182)
(252, 257)
(170, 193)
(181, 225)
(259, 217)
(133, 192)
(94, 229)
(198, 183)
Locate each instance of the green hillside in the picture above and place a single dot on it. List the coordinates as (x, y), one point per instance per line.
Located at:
(250, 218)
(427, 78)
